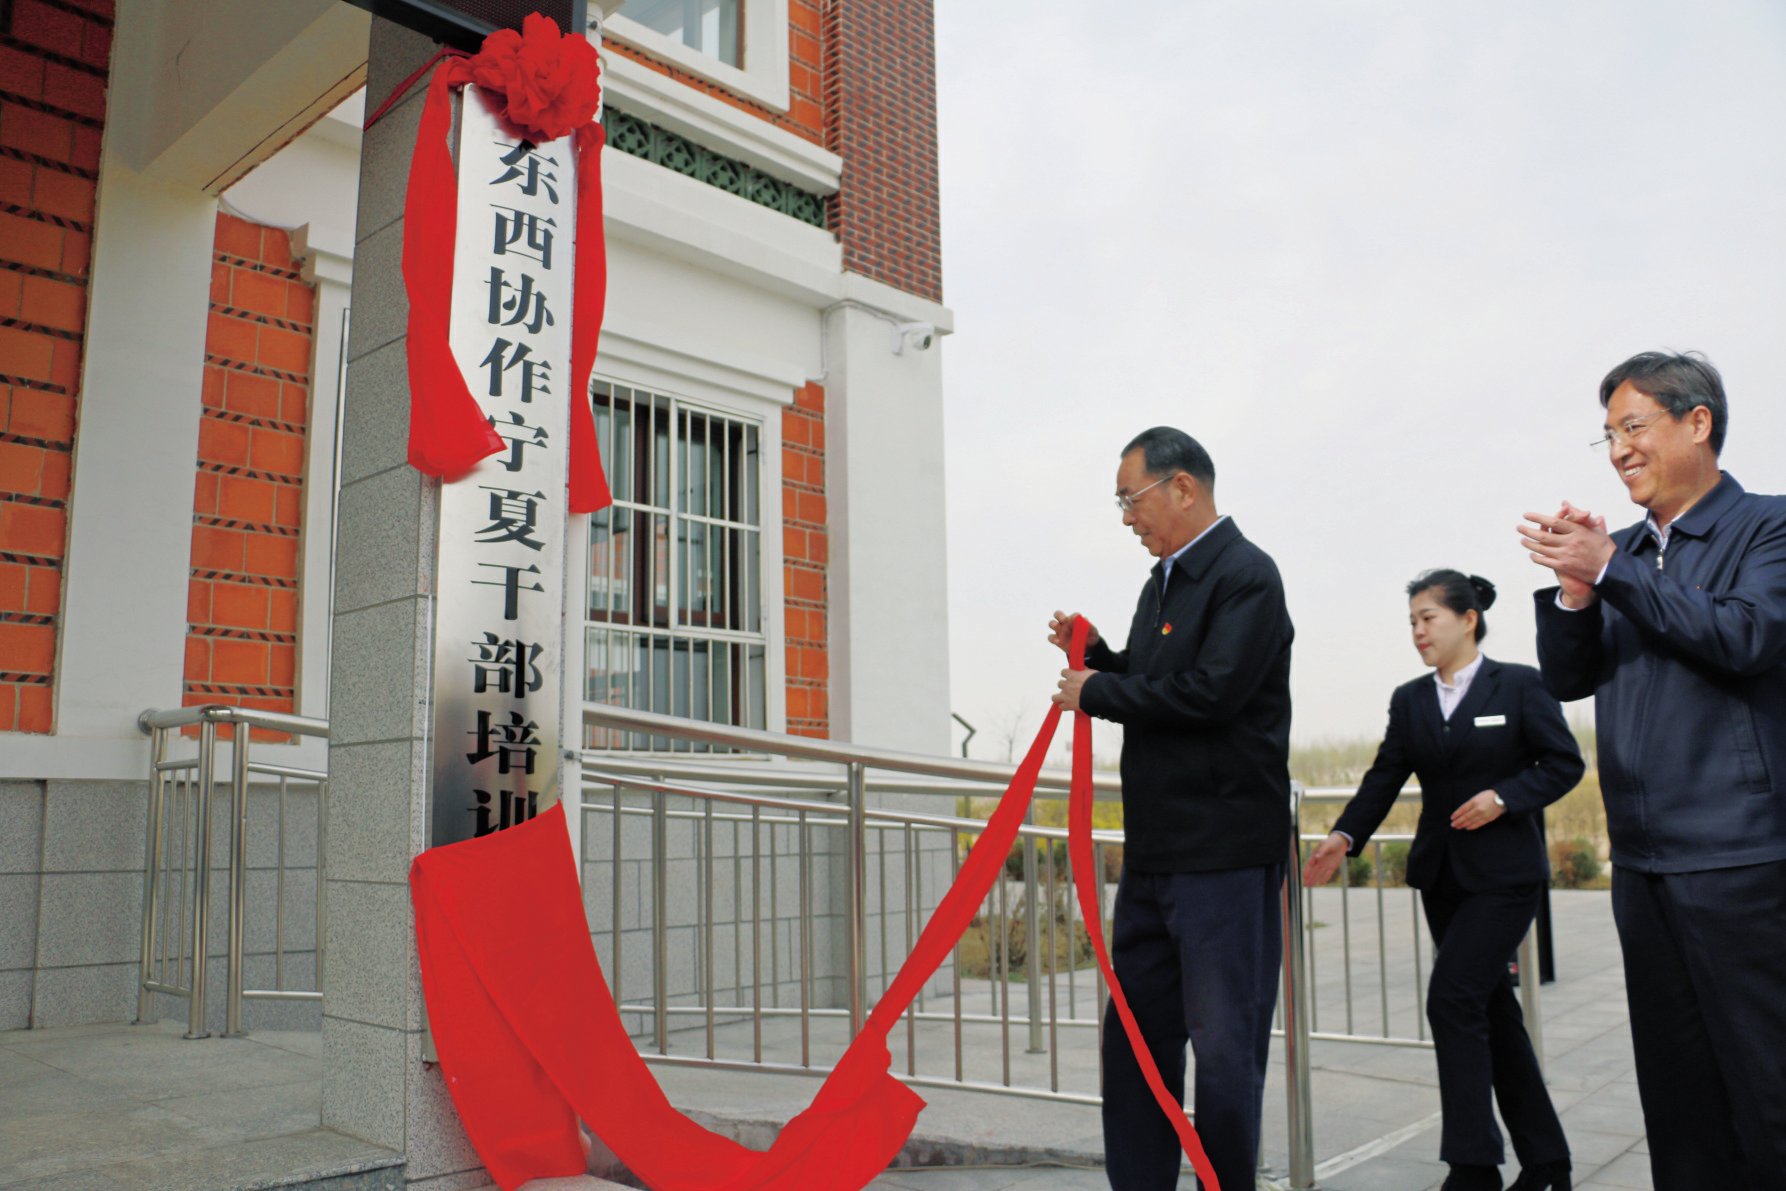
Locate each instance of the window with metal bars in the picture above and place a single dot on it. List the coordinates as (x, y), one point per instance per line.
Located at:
(675, 598)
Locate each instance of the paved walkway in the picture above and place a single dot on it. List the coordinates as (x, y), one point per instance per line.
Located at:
(110, 1107)
(1376, 1107)
(104, 1107)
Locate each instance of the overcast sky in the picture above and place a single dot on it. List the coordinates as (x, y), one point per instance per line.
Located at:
(1375, 255)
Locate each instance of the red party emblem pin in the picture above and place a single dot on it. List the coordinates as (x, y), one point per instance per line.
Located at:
(1165, 629)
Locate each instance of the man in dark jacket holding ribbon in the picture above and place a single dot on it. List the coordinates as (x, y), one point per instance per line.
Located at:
(1203, 693)
(1677, 627)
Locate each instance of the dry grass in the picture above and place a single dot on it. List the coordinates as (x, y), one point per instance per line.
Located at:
(1577, 821)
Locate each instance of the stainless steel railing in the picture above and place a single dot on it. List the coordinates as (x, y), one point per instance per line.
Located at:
(762, 804)
(799, 801)
(1399, 986)
(177, 868)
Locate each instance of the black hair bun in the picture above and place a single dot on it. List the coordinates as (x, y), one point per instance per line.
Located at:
(1485, 592)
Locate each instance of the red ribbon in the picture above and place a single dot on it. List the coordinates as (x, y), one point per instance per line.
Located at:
(530, 1039)
(448, 431)
(1088, 883)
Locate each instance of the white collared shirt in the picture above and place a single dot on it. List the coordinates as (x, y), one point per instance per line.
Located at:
(1166, 563)
(1450, 695)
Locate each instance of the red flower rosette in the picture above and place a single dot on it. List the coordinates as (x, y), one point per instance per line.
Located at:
(548, 85)
(542, 85)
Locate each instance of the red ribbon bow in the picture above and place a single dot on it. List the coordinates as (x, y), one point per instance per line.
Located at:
(542, 86)
(530, 1038)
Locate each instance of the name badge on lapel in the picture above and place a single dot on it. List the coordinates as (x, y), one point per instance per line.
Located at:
(1491, 721)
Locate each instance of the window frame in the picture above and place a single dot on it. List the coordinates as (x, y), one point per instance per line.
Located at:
(763, 33)
(677, 629)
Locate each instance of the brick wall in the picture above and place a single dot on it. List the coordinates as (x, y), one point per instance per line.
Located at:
(805, 114)
(804, 559)
(242, 643)
(862, 82)
(880, 117)
(53, 60)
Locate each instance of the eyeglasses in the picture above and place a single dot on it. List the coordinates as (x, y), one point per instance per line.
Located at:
(1127, 503)
(1620, 435)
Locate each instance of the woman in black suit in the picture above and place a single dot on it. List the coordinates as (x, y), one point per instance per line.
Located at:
(1491, 750)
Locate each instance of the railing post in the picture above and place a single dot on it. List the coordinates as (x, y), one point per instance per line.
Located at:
(1032, 930)
(151, 871)
(322, 901)
(201, 878)
(660, 892)
(858, 873)
(238, 877)
(1528, 992)
(1297, 1088)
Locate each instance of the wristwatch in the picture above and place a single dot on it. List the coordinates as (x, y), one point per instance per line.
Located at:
(1498, 803)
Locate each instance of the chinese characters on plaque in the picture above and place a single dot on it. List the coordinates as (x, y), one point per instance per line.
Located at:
(499, 604)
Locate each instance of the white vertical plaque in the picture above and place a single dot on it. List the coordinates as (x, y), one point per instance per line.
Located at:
(498, 626)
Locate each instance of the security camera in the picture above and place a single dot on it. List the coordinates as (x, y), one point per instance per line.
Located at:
(919, 335)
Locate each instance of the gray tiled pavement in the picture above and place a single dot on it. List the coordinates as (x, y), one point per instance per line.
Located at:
(110, 1106)
(106, 1107)
(1376, 1106)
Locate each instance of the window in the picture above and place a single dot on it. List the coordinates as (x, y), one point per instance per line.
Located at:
(675, 606)
(740, 45)
(709, 27)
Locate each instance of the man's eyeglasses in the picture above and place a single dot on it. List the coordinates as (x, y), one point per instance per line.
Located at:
(1127, 503)
(1620, 435)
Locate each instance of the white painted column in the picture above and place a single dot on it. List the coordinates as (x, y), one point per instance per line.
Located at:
(130, 541)
(326, 257)
(888, 582)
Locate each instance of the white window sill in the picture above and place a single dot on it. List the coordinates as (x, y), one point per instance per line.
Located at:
(764, 77)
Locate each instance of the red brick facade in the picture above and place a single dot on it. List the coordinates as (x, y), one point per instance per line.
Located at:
(880, 117)
(53, 60)
(862, 83)
(242, 610)
(805, 557)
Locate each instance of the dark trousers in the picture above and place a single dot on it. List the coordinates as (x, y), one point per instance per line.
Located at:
(1705, 975)
(1479, 1033)
(1198, 956)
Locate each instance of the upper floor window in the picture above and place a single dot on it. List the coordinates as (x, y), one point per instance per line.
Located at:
(709, 27)
(742, 46)
(675, 620)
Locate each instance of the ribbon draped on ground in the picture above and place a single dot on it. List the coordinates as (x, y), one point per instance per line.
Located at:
(530, 1039)
(542, 86)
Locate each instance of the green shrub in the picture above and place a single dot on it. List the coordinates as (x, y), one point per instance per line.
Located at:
(1024, 851)
(1112, 863)
(1358, 871)
(1573, 863)
(1395, 863)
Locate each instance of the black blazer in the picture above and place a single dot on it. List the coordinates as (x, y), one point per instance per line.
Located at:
(1507, 735)
(1203, 694)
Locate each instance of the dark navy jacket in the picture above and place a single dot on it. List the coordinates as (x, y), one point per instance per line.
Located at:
(1203, 695)
(1507, 735)
(1687, 666)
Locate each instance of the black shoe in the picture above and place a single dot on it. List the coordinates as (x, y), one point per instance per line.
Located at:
(1546, 1176)
(1472, 1178)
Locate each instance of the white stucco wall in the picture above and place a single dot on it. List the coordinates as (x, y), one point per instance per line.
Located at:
(711, 298)
(123, 632)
